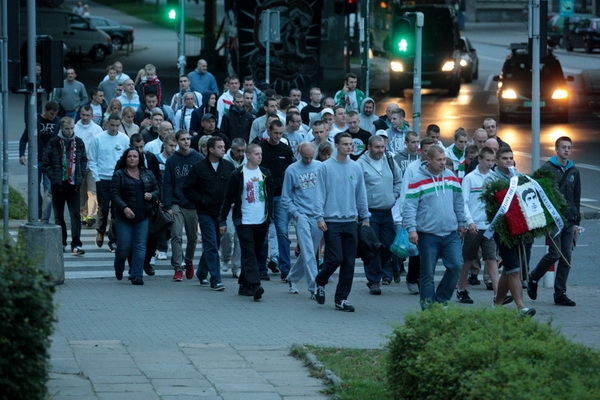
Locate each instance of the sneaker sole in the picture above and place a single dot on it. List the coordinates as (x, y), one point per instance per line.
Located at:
(218, 289)
(340, 308)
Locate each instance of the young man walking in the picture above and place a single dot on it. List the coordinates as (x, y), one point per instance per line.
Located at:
(250, 191)
(338, 207)
(561, 245)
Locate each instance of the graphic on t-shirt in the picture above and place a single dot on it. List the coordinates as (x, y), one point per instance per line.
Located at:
(254, 188)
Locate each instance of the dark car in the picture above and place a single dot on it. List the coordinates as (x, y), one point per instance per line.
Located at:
(469, 62)
(514, 85)
(120, 34)
(585, 34)
(556, 27)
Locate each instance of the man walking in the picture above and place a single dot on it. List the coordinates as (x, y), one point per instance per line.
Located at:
(383, 182)
(65, 163)
(249, 191)
(205, 187)
(561, 245)
(298, 194)
(177, 168)
(436, 234)
(338, 207)
(104, 152)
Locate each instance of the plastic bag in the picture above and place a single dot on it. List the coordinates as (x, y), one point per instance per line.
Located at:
(402, 247)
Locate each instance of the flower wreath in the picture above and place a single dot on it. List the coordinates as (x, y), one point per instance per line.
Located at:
(517, 225)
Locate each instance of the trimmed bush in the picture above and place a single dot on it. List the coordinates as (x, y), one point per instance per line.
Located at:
(483, 354)
(26, 323)
(17, 207)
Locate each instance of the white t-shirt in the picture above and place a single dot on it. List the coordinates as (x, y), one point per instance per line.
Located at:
(96, 113)
(253, 197)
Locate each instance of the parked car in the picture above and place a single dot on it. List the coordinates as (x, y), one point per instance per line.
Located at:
(585, 34)
(514, 86)
(556, 25)
(120, 34)
(469, 62)
(78, 35)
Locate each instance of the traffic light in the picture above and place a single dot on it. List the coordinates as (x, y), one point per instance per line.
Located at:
(403, 37)
(172, 14)
(345, 7)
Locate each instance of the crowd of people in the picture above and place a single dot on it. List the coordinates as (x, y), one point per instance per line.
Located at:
(239, 165)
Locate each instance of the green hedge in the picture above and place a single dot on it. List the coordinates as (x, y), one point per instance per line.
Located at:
(17, 207)
(26, 323)
(483, 354)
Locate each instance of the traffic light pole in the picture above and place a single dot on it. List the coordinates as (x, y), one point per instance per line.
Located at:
(534, 31)
(4, 115)
(32, 143)
(417, 72)
(181, 62)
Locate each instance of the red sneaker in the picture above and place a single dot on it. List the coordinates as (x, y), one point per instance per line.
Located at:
(189, 270)
(178, 276)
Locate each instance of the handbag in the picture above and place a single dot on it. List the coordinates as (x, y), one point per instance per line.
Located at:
(402, 247)
(161, 219)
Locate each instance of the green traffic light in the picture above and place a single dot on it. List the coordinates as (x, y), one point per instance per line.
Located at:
(403, 46)
(172, 14)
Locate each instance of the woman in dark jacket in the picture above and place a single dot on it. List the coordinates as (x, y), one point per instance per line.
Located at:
(209, 106)
(133, 192)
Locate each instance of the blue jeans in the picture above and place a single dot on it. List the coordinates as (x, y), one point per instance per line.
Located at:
(211, 240)
(431, 248)
(131, 241)
(341, 240)
(382, 224)
(282, 222)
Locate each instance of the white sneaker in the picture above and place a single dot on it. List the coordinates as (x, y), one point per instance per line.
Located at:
(153, 261)
(161, 255)
(413, 288)
(293, 288)
(224, 266)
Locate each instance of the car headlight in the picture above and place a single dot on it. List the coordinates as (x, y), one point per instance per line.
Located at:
(509, 94)
(464, 62)
(396, 66)
(448, 66)
(560, 94)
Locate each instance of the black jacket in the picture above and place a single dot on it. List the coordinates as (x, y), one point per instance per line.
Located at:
(236, 123)
(123, 191)
(206, 187)
(52, 161)
(233, 195)
(569, 182)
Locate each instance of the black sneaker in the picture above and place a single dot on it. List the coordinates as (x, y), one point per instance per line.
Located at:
(273, 264)
(397, 276)
(375, 289)
(112, 247)
(386, 281)
(320, 294)
(245, 291)
(284, 276)
(149, 270)
(77, 251)
(463, 296)
(527, 312)
(489, 286)
(473, 280)
(137, 281)
(264, 276)
(507, 300)
(344, 305)
(257, 292)
(99, 239)
(563, 300)
(532, 287)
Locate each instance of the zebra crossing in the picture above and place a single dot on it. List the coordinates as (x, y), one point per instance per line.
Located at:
(98, 262)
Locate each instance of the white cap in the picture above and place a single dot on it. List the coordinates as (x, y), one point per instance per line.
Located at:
(382, 132)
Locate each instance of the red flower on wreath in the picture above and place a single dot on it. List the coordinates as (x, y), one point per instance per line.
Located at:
(515, 219)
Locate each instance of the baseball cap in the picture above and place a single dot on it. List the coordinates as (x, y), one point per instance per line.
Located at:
(207, 116)
(381, 132)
